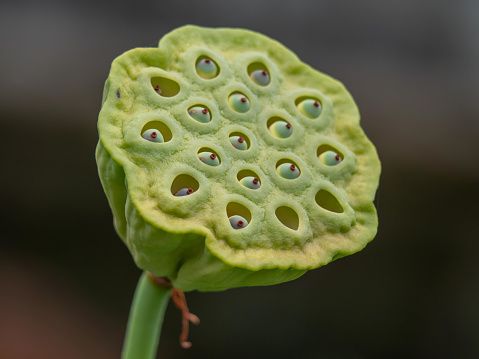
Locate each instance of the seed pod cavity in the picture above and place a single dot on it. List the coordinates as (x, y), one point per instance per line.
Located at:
(165, 87)
(238, 215)
(288, 217)
(184, 185)
(328, 201)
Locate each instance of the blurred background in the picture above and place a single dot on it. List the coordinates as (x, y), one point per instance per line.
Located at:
(66, 280)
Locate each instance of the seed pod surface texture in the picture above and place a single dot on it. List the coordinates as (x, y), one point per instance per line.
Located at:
(294, 223)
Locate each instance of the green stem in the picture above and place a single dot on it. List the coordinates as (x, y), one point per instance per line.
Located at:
(145, 321)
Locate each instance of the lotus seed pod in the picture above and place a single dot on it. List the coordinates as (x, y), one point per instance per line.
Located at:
(153, 135)
(296, 223)
(330, 158)
(207, 68)
(250, 182)
(288, 170)
(239, 143)
(260, 77)
(281, 129)
(184, 192)
(209, 158)
(311, 108)
(238, 222)
(200, 114)
(239, 102)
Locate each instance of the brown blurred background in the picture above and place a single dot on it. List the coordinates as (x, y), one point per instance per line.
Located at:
(66, 280)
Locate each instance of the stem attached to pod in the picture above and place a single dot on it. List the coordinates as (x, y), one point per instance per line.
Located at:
(146, 318)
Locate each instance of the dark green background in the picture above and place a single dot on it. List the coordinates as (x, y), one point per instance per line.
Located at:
(66, 280)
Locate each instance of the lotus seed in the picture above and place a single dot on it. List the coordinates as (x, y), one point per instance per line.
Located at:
(239, 143)
(153, 135)
(239, 102)
(281, 129)
(157, 89)
(200, 114)
(260, 77)
(238, 222)
(206, 68)
(288, 170)
(310, 107)
(250, 182)
(184, 192)
(209, 158)
(330, 158)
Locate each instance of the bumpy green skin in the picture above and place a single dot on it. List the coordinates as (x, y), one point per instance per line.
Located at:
(189, 239)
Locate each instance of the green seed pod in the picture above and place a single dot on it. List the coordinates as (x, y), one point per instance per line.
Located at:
(330, 158)
(206, 68)
(200, 114)
(239, 102)
(153, 135)
(250, 182)
(209, 158)
(294, 223)
(311, 108)
(239, 143)
(281, 129)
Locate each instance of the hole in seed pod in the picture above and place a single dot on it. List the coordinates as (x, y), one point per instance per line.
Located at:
(206, 68)
(288, 217)
(200, 113)
(156, 131)
(245, 173)
(209, 157)
(327, 201)
(308, 106)
(259, 73)
(165, 87)
(249, 179)
(238, 215)
(239, 102)
(279, 127)
(288, 169)
(328, 155)
(239, 141)
(184, 185)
